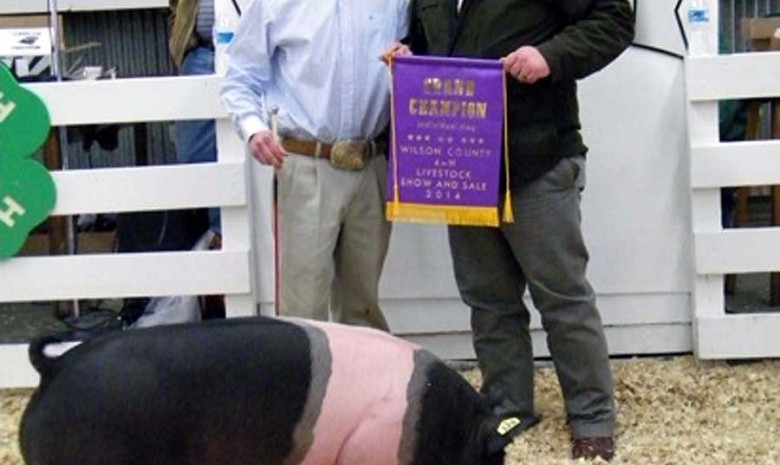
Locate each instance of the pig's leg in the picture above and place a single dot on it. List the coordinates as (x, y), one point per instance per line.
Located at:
(387, 434)
(373, 442)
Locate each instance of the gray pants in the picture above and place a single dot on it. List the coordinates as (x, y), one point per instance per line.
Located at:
(544, 251)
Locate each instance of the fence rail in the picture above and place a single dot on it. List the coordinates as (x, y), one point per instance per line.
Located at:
(135, 189)
(714, 165)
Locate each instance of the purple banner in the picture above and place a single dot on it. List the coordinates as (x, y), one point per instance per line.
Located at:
(448, 116)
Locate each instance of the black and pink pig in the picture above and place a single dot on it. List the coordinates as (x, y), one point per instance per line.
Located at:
(254, 391)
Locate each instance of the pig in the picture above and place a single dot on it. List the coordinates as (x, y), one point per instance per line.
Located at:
(254, 391)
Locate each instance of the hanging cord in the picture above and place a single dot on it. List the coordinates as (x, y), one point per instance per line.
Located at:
(509, 216)
(237, 8)
(679, 23)
(393, 134)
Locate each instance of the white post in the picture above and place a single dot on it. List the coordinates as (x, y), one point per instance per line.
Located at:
(56, 57)
(701, 20)
(226, 16)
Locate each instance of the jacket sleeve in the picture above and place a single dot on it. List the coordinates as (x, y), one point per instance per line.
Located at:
(172, 6)
(595, 33)
(415, 39)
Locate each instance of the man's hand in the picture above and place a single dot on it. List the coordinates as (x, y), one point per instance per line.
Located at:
(397, 49)
(526, 64)
(266, 149)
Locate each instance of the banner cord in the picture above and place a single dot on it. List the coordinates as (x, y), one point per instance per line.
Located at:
(509, 216)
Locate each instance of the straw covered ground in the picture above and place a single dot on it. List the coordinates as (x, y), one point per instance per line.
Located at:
(671, 411)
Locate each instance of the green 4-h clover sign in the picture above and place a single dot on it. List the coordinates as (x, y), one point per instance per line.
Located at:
(27, 191)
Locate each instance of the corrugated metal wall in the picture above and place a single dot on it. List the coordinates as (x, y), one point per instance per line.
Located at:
(731, 13)
(135, 43)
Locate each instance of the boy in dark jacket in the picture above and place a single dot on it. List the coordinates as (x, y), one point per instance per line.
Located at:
(545, 47)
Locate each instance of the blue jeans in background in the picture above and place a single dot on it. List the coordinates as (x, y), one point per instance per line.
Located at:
(196, 140)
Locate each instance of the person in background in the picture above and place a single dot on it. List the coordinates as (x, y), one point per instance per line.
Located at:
(545, 47)
(191, 48)
(192, 51)
(309, 94)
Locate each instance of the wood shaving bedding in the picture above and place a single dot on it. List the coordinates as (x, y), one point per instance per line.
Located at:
(670, 411)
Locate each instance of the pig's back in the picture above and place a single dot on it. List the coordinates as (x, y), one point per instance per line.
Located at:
(260, 390)
(229, 392)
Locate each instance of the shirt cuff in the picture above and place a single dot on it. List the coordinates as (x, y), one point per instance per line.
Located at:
(251, 126)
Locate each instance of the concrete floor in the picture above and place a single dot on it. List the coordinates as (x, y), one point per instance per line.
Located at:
(19, 322)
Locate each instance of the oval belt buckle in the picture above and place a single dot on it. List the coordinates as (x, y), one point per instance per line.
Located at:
(350, 154)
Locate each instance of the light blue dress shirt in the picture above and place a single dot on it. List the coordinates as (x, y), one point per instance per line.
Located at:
(318, 62)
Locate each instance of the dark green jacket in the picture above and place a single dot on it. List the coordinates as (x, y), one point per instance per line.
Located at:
(576, 37)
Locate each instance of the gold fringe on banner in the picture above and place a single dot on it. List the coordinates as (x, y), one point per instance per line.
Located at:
(393, 140)
(449, 214)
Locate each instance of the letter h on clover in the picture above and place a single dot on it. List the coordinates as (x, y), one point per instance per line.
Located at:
(27, 190)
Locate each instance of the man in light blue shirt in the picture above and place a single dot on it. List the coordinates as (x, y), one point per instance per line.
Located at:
(316, 67)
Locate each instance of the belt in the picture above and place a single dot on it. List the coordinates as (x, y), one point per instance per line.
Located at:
(307, 147)
(323, 150)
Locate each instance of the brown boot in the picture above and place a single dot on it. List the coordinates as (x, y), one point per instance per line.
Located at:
(590, 448)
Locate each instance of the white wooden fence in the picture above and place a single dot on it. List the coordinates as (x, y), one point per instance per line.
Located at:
(225, 184)
(715, 165)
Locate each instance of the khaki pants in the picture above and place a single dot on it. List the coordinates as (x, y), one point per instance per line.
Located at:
(333, 239)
